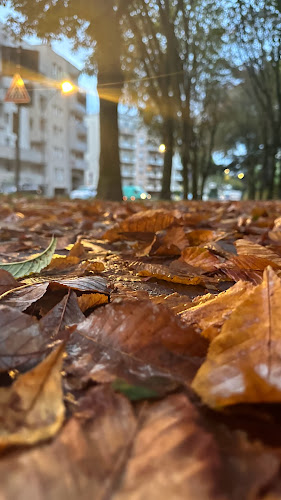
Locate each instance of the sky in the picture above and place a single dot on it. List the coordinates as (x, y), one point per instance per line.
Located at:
(77, 58)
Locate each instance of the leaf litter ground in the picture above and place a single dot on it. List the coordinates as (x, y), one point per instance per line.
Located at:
(142, 359)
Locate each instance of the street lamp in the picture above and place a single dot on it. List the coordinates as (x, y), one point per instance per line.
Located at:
(67, 87)
(241, 175)
(227, 171)
(162, 148)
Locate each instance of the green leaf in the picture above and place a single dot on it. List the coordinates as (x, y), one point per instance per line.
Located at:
(31, 265)
(133, 392)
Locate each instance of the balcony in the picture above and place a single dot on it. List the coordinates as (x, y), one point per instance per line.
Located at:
(154, 175)
(81, 129)
(156, 161)
(153, 148)
(154, 188)
(127, 161)
(127, 131)
(78, 108)
(78, 164)
(128, 174)
(127, 145)
(79, 146)
(26, 155)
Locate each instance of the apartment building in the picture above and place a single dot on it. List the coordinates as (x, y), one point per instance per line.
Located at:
(140, 159)
(52, 134)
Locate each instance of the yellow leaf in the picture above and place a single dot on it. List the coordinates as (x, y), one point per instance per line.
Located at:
(244, 361)
(32, 409)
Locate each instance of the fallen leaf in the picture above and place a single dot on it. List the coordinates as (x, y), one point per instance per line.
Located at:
(172, 456)
(149, 221)
(212, 311)
(243, 362)
(165, 273)
(21, 298)
(149, 333)
(84, 461)
(32, 409)
(32, 265)
(87, 301)
(20, 338)
(7, 282)
(26, 295)
(59, 263)
(170, 241)
(200, 236)
(65, 313)
(249, 248)
(201, 258)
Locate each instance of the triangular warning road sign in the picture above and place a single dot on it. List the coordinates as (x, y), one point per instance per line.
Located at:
(17, 92)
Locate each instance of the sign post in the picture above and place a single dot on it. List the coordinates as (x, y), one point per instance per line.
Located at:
(17, 94)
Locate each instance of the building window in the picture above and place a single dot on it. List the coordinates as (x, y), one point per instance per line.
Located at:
(59, 174)
(42, 125)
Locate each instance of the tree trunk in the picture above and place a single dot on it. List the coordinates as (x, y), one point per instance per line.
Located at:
(194, 168)
(110, 84)
(251, 180)
(185, 172)
(272, 171)
(109, 187)
(168, 158)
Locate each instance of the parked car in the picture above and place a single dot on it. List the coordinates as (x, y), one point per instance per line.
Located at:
(135, 193)
(83, 193)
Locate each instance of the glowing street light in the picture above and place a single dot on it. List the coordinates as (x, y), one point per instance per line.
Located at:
(227, 171)
(241, 175)
(67, 87)
(162, 148)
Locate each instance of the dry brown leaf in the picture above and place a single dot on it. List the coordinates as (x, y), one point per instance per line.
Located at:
(249, 248)
(87, 301)
(165, 273)
(20, 338)
(176, 302)
(147, 332)
(200, 257)
(7, 281)
(59, 263)
(172, 456)
(149, 221)
(170, 241)
(84, 461)
(244, 361)
(212, 311)
(201, 236)
(32, 409)
(78, 250)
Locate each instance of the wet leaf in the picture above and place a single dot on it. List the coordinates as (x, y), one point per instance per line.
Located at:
(31, 265)
(32, 409)
(243, 362)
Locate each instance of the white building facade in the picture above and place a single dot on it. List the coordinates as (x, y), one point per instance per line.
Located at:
(52, 132)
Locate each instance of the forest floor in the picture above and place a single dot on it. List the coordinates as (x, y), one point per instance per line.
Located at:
(140, 350)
